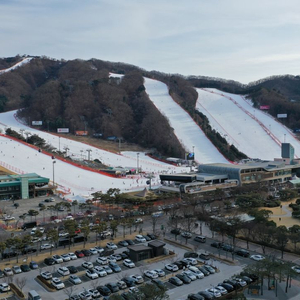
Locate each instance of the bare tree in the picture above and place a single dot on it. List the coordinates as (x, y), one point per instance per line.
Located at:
(95, 283)
(21, 282)
(70, 291)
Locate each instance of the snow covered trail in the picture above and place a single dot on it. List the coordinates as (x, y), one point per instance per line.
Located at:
(187, 131)
(252, 131)
(17, 65)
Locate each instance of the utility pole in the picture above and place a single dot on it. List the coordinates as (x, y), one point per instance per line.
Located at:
(137, 161)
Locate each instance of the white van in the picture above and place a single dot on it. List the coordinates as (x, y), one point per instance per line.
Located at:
(33, 295)
(200, 238)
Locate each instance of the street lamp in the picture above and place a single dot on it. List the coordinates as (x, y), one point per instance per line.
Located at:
(137, 161)
(54, 162)
(59, 143)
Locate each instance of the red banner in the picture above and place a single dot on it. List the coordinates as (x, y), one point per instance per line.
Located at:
(264, 107)
(81, 133)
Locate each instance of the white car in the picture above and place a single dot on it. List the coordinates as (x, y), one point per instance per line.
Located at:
(196, 271)
(122, 285)
(57, 258)
(93, 251)
(8, 271)
(108, 270)
(91, 274)
(214, 292)
(66, 257)
(222, 290)
(102, 260)
(190, 261)
(116, 257)
(64, 271)
(16, 269)
(111, 245)
(94, 293)
(296, 269)
(88, 265)
(100, 271)
(72, 255)
(63, 234)
(68, 218)
(190, 275)
(99, 249)
(137, 278)
(75, 279)
(160, 272)
(151, 274)
(9, 218)
(240, 281)
(128, 263)
(257, 257)
(85, 295)
(47, 246)
(57, 283)
(4, 287)
(140, 239)
(171, 267)
(46, 275)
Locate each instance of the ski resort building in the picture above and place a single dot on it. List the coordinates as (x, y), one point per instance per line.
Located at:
(23, 186)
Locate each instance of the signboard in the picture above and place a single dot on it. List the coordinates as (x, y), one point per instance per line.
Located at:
(82, 133)
(281, 116)
(36, 123)
(62, 130)
(190, 156)
(264, 107)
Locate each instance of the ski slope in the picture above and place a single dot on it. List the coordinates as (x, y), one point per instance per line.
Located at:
(17, 65)
(251, 130)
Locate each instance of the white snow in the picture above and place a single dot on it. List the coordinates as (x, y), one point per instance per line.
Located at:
(251, 130)
(19, 64)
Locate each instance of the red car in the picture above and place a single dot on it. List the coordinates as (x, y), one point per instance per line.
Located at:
(52, 218)
(79, 254)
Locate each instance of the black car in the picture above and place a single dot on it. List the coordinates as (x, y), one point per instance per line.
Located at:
(233, 283)
(124, 255)
(123, 244)
(191, 254)
(184, 278)
(86, 252)
(242, 252)
(25, 268)
(104, 290)
(129, 281)
(195, 297)
(113, 287)
(27, 250)
(204, 271)
(216, 245)
(1, 274)
(250, 275)
(151, 236)
(179, 264)
(72, 269)
(158, 283)
(206, 295)
(227, 248)
(227, 287)
(147, 238)
(49, 261)
(176, 281)
(247, 279)
(130, 242)
(175, 231)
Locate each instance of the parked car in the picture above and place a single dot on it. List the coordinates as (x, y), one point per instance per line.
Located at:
(216, 245)
(242, 252)
(85, 295)
(196, 272)
(190, 254)
(151, 274)
(100, 271)
(75, 279)
(176, 281)
(64, 271)
(129, 281)
(4, 287)
(66, 257)
(115, 267)
(158, 283)
(72, 269)
(72, 256)
(257, 257)
(107, 269)
(122, 285)
(94, 293)
(104, 290)
(113, 287)
(8, 272)
(138, 278)
(25, 268)
(210, 269)
(140, 239)
(130, 242)
(91, 274)
(111, 245)
(190, 261)
(200, 239)
(33, 265)
(206, 295)
(221, 289)
(57, 258)
(204, 270)
(184, 278)
(227, 247)
(227, 286)
(186, 235)
(189, 274)
(102, 260)
(171, 267)
(176, 231)
(57, 283)
(79, 254)
(195, 297)
(46, 275)
(123, 244)
(87, 265)
(86, 252)
(128, 263)
(47, 246)
(16, 269)
(215, 292)
(160, 272)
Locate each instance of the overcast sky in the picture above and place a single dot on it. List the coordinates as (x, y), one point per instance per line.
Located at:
(231, 39)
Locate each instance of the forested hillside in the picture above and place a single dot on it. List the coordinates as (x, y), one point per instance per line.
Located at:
(80, 95)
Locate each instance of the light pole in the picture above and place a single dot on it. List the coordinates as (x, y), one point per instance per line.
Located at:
(59, 143)
(137, 161)
(54, 162)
